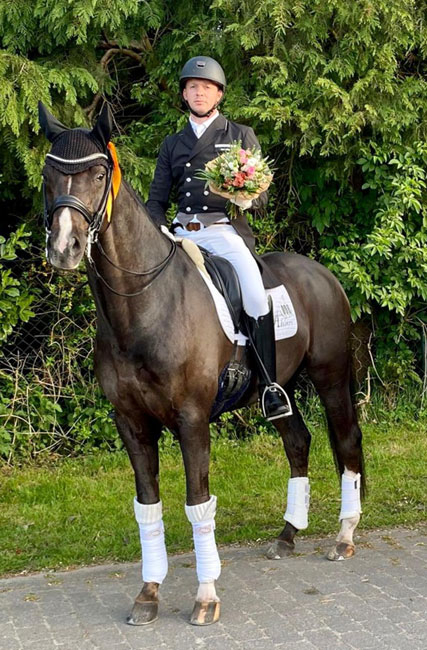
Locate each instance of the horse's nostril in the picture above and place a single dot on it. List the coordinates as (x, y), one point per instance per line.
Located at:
(75, 245)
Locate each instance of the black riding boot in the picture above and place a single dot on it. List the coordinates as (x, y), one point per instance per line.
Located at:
(274, 401)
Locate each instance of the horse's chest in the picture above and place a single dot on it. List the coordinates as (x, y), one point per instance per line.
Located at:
(127, 383)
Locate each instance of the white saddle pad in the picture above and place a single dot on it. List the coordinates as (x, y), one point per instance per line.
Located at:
(285, 320)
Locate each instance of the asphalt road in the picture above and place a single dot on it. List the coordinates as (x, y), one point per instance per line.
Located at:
(377, 600)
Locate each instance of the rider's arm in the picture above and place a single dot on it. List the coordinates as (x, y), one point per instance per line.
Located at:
(158, 197)
(250, 141)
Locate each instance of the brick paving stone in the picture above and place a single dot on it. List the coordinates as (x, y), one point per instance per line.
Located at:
(223, 642)
(304, 644)
(362, 640)
(403, 642)
(376, 601)
(10, 644)
(324, 638)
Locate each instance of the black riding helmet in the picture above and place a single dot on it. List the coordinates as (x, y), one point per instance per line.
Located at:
(202, 67)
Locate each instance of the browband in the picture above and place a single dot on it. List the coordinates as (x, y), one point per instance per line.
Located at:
(92, 156)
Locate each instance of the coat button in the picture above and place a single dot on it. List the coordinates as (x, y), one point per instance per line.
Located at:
(206, 192)
(205, 207)
(188, 209)
(188, 194)
(188, 179)
(188, 164)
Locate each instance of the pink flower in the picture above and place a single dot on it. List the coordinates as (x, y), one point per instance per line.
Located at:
(243, 157)
(250, 171)
(239, 179)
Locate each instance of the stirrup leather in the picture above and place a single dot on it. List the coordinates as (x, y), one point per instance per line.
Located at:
(274, 387)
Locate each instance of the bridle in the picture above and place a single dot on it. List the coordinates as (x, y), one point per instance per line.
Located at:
(95, 221)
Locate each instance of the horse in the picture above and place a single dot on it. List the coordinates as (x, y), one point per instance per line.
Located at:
(160, 349)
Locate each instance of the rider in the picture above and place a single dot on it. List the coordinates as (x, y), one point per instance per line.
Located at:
(202, 215)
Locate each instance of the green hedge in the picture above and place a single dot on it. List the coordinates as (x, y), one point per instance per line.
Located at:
(336, 92)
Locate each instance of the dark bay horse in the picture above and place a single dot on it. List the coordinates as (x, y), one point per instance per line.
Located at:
(160, 349)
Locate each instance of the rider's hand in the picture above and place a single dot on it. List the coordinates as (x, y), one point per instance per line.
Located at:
(244, 204)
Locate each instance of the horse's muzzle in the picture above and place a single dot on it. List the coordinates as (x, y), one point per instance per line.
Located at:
(67, 259)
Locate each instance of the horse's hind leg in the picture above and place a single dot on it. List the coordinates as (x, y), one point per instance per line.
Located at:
(296, 440)
(333, 386)
(141, 442)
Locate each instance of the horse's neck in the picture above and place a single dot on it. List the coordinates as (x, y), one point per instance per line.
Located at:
(134, 243)
(132, 240)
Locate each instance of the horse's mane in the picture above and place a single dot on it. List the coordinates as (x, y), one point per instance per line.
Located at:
(135, 196)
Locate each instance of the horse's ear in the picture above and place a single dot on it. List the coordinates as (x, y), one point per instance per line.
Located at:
(103, 127)
(50, 125)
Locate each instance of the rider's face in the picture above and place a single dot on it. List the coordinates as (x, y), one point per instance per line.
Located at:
(201, 94)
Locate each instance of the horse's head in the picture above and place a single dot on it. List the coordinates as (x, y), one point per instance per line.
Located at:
(76, 183)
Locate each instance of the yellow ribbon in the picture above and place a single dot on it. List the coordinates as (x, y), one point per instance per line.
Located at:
(116, 180)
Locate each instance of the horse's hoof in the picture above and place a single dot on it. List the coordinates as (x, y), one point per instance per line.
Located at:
(205, 613)
(280, 549)
(143, 613)
(341, 551)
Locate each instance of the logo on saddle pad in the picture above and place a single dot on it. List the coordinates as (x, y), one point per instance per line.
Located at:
(285, 320)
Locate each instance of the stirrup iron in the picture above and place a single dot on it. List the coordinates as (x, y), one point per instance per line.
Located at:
(275, 387)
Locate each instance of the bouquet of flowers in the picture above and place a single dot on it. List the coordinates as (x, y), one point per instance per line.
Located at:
(238, 174)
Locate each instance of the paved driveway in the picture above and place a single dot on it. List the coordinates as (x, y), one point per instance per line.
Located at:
(376, 600)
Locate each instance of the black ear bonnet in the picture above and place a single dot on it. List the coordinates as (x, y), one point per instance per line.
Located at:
(75, 150)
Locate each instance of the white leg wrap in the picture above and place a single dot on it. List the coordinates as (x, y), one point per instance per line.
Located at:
(152, 535)
(298, 502)
(350, 495)
(202, 517)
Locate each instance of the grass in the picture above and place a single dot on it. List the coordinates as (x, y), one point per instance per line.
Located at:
(79, 511)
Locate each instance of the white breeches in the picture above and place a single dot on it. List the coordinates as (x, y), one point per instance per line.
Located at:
(224, 241)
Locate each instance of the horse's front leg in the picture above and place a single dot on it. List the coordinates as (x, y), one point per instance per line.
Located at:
(200, 510)
(141, 442)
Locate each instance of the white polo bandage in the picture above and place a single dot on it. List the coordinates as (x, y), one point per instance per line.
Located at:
(350, 496)
(202, 518)
(152, 536)
(298, 502)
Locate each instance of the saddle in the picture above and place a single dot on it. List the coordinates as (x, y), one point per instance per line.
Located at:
(221, 272)
(226, 280)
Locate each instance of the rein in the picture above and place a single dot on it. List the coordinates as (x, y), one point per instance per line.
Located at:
(155, 269)
(94, 221)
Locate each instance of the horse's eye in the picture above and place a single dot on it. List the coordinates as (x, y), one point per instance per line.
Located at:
(100, 176)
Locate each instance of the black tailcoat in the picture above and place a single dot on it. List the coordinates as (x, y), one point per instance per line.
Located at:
(181, 156)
